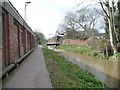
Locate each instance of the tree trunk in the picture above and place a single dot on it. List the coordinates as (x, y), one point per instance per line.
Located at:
(113, 22)
(106, 48)
(111, 29)
(111, 26)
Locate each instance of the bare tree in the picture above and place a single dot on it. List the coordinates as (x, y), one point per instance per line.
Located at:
(108, 8)
(71, 26)
(86, 19)
(61, 29)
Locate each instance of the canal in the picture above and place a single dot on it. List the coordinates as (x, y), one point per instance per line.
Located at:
(104, 70)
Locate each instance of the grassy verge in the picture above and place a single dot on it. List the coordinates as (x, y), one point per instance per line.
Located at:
(77, 48)
(84, 50)
(64, 74)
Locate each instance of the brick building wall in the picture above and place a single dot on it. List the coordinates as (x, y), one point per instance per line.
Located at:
(5, 38)
(0, 37)
(18, 38)
(28, 41)
(22, 37)
(75, 42)
(14, 39)
(0, 55)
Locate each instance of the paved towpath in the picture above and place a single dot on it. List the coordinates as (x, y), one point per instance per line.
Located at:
(32, 73)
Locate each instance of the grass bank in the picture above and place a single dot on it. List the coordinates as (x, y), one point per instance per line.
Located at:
(64, 74)
(77, 48)
(86, 51)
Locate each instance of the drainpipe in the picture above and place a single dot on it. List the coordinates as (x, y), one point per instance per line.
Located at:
(15, 64)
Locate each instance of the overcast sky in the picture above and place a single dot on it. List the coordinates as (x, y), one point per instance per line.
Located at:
(45, 15)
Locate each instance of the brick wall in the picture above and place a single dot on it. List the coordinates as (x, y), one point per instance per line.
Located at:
(5, 37)
(0, 55)
(28, 41)
(0, 37)
(13, 45)
(0, 28)
(75, 42)
(14, 39)
(21, 41)
(1, 62)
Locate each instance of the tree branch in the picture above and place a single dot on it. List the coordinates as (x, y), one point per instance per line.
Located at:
(79, 24)
(91, 22)
(104, 10)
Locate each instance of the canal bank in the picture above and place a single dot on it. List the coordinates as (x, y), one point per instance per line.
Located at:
(106, 71)
(65, 74)
(89, 51)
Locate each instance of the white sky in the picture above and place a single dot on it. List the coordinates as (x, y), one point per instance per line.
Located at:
(45, 15)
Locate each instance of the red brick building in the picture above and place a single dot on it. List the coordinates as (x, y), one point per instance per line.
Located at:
(75, 42)
(16, 37)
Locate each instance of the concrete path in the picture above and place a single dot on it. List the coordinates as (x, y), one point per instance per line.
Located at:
(32, 73)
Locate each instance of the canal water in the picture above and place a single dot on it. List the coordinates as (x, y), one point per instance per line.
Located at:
(104, 70)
